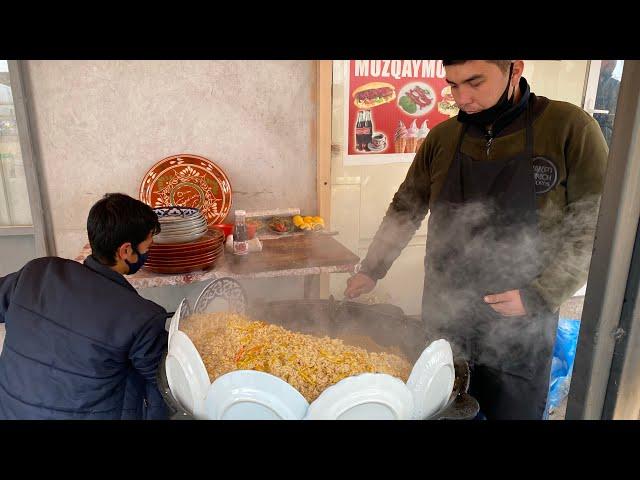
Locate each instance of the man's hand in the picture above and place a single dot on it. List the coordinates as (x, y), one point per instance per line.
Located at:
(359, 284)
(507, 303)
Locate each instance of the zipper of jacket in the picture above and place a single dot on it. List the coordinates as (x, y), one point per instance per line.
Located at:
(489, 141)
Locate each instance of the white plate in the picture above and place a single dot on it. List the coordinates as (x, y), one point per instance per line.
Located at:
(419, 112)
(161, 239)
(180, 234)
(178, 219)
(169, 326)
(253, 395)
(376, 149)
(182, 310)
(431, 380)
(177, 225)
(369, 396)
(182, 230)
(186, 374)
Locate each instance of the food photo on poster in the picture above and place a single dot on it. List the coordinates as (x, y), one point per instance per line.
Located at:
(390, 107)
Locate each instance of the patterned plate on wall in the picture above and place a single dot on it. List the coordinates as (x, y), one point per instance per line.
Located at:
(189, 181)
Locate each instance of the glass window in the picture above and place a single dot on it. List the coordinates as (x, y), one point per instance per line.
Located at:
(607, 95)
(14, 197)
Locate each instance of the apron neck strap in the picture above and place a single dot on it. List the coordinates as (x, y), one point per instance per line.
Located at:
(461, 138)
(529, 133)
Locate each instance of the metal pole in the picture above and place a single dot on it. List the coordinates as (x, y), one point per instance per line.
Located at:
(612, 253)
(622, 400)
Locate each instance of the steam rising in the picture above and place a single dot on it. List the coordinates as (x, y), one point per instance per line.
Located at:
(552, 264)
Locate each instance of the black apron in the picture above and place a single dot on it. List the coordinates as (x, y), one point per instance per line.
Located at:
(483, 239)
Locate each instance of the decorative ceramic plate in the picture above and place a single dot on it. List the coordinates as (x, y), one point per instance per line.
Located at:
(179, 261)
(188, 181)
(185, 259)
(174, 213)
(181, 269)
(183, 254)
(162, 254)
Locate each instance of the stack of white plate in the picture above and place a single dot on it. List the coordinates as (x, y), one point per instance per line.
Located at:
(180, 225)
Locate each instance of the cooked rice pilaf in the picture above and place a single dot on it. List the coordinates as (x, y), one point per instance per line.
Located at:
(228, 342)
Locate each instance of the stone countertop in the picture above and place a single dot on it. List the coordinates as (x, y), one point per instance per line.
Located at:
(296, 255)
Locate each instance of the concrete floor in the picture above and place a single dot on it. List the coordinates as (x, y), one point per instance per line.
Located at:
(560, 412)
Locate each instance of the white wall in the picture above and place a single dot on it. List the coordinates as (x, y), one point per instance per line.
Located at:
(557, 80)
(100, 125)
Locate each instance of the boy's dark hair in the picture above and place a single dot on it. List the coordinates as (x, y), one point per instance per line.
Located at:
(116, 219)
(502, 64)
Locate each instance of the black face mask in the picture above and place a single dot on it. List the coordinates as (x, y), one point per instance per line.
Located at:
(134, 267)
(490, 115)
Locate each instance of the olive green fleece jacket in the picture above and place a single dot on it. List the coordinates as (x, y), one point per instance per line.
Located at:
(567, 214)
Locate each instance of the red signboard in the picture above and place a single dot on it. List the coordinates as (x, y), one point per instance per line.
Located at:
(392, 105)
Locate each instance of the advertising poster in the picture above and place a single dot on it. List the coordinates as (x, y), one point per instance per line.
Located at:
(390, 106)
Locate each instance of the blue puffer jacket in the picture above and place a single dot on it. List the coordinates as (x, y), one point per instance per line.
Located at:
(80, 344)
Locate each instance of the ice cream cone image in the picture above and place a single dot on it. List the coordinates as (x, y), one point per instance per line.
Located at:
(400, 138)
(400, 145)
(412, 138)
(422, 134)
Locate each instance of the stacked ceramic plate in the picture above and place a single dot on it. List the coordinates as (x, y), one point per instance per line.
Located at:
(199, 254)
(180, 225)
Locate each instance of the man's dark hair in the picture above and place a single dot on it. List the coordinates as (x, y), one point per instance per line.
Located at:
(116, 219)
(502, 64)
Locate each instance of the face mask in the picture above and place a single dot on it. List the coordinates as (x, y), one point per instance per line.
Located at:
(490, 115)
(134, 267)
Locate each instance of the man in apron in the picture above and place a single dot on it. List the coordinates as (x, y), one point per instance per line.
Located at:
(512, 185)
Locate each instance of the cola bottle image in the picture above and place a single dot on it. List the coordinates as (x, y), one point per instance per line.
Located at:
(368, 130)
(360, 130)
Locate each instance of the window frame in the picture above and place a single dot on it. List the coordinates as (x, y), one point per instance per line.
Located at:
(40, 227)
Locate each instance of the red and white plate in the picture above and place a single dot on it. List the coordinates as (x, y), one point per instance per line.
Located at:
(182, 268)
(189, 181)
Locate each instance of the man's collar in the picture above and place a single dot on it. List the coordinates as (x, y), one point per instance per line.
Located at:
(516, 110)
(512, 120)
(104, 270)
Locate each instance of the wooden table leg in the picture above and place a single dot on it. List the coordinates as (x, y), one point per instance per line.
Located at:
(312, 286)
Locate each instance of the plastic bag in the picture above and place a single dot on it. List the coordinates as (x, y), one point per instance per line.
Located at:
(564, 353)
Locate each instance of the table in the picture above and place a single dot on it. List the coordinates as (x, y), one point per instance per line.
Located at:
(307, 255)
